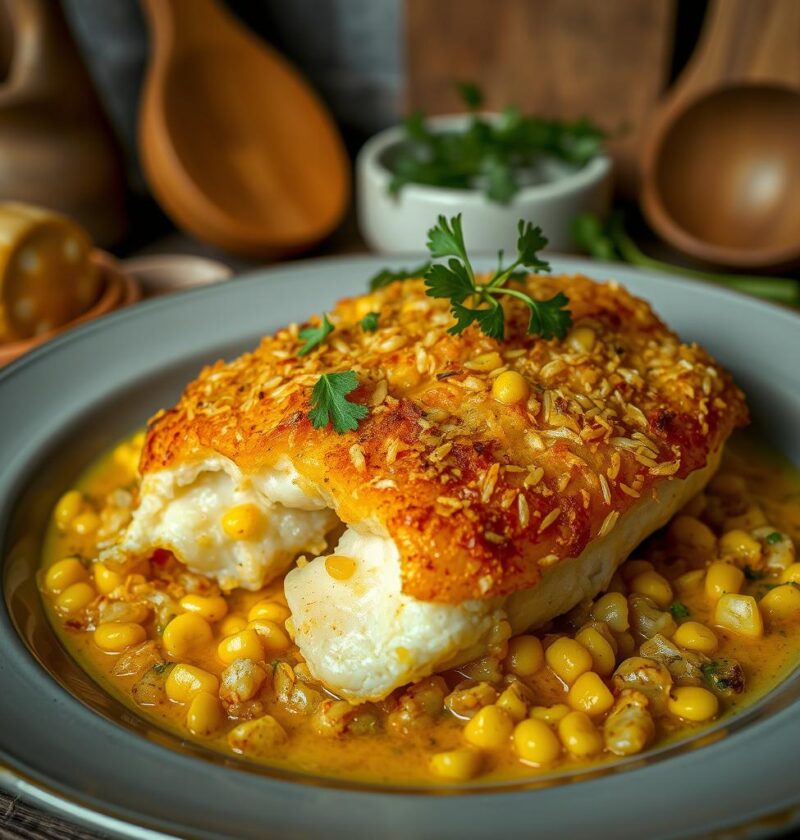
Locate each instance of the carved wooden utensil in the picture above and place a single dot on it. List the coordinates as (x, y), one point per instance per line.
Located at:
(236, 146)
(721, 162)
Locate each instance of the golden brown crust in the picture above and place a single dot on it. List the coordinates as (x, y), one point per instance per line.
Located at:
(480, 497)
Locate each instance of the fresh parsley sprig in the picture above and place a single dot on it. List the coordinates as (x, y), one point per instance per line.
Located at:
(314, 336)
(369, 323)
(498, 155)
(387, 275)
(329, 403)
(456, 282)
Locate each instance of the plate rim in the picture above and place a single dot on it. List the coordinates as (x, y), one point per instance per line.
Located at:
(609, 270)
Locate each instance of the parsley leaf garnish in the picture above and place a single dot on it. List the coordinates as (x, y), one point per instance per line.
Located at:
(774, 537)
(329, 403)
(386, 275)
(369, 323)
(679, 610)
(455, 281)
(498, 155)
(313, 336)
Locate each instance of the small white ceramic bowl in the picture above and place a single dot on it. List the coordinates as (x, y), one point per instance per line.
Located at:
(399, 224)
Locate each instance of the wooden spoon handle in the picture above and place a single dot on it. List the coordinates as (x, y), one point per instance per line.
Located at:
(746, 41)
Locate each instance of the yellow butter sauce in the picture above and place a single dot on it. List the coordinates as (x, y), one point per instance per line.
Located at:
(643, 665)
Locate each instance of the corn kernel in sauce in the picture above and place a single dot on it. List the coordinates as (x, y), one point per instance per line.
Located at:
(635, 686)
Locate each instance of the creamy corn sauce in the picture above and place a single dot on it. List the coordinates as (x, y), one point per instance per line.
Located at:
(702, 620)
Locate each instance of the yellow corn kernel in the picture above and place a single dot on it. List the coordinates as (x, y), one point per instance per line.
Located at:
(689, 582)
(626, 645)
(590, 694)
(568, 659)
(67, 508)
(740, 546)
(525, 655)
(693, 635)
(739, 614)
(74, 598)
(106, 580)
(127, 455)
(116, 636)
(272, 637)
(751, 519)
(85, 523)
(63, 574)
(581, 339)
(692, 533)
(579, 735)
(270, 610)
(725, 484)
(485, 363)
(340, 567)
(692, 703)
(456, 765)
(791, 574)
(242, 522)
(722, 578)
(489, 729)
(210, 607)
(258, 738)
(613, 609)
(231, 624)
(654, 586)
(536, 743)
(631, 568)
(204, 716)
(510, 388)
(185, 634)
(243, 645)
(291, 630)
(550, 714)
(604, 659)
(512, 702)
(781, 603)
(186, 681)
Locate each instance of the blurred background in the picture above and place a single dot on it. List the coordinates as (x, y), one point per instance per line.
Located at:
(187, 140)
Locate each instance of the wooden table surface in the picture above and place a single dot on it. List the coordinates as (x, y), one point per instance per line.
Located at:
(18, 819)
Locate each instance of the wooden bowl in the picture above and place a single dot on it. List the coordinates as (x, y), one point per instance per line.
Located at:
(118, 289)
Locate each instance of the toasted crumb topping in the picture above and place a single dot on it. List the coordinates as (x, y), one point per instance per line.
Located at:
(481, 496)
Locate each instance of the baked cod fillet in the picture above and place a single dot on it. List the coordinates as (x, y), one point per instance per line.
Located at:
(460, 510)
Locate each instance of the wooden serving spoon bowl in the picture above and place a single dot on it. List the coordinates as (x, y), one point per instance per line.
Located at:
(237, 148)
(721, 165)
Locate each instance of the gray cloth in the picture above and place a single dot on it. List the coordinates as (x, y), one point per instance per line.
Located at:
(350, 51)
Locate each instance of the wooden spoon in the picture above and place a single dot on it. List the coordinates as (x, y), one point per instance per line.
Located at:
(721, 163)
(237, 148)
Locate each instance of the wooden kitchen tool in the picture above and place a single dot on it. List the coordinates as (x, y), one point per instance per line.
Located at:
(57, 149)
(721, 161)
(554, 58)
(47, 277)
(235, 145)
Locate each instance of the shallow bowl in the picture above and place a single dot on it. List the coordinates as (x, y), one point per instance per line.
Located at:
(398, 224)
(71, 747)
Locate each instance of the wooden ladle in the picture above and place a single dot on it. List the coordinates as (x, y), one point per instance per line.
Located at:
(236, 147)
(721, 162)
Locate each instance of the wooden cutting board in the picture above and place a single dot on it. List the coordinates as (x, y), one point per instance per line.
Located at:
(557, 58)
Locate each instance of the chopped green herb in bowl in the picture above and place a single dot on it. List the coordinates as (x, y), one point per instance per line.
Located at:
(494, 168)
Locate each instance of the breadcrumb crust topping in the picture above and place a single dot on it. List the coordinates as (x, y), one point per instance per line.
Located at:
(481, 497)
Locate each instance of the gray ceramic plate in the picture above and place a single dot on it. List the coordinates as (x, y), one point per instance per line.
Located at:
(70, 747)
